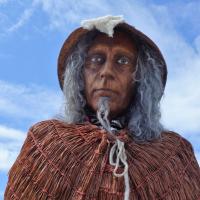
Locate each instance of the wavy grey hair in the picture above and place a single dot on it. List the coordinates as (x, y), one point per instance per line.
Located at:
(144, 114)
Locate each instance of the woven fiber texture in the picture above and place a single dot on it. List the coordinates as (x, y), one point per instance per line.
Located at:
(70, 162)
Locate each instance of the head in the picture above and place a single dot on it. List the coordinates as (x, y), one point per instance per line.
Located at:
(121, 74)
(109, 71)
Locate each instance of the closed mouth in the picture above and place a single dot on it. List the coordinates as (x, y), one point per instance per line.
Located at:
(104, 90)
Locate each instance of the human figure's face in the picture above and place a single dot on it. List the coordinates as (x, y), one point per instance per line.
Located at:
(108, 72)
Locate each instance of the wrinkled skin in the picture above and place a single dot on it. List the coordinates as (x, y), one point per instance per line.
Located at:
(108, 71)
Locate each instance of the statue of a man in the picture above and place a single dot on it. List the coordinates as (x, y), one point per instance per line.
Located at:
(110, 143)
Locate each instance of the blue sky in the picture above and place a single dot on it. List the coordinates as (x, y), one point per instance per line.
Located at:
(32, 32)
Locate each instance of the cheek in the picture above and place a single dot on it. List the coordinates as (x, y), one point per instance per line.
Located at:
(127, 85)
(127, 93)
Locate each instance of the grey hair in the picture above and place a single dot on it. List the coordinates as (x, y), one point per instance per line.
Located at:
(144, 118)
(74, 85)
(144, 114)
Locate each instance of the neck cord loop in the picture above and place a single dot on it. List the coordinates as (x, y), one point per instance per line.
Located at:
(119, 150)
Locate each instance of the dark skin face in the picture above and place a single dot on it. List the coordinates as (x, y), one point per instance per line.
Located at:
(108, 70)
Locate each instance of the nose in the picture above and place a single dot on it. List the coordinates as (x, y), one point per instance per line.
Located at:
(107, 70)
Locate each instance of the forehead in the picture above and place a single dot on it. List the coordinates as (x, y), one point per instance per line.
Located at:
(120, 40)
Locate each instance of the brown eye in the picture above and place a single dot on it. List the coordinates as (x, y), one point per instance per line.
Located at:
(123, 61)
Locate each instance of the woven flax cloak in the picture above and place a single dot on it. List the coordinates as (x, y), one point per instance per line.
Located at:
(70, 162)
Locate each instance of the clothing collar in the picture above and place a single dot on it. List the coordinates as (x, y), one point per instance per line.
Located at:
(116, 124)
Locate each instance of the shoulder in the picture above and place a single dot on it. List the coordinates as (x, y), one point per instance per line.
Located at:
(168, 140)
(170, 148)
(49, 124)
(50, 127)
(180, 151)
(175, 140)
(59, 130)
(47, 132)
(170, 161)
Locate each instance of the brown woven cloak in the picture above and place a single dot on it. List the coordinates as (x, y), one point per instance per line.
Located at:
(70, 162)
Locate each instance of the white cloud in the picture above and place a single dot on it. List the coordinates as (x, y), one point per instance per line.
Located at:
(10, 142)
(24, 17)
(18, 102)
(181, 106)
(197, 43)
(65, 12)
(10, 133)
(22, 20)
(8, 155)
(28, 102)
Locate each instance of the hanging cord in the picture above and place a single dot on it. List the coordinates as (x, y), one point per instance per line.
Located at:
(119, 150)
